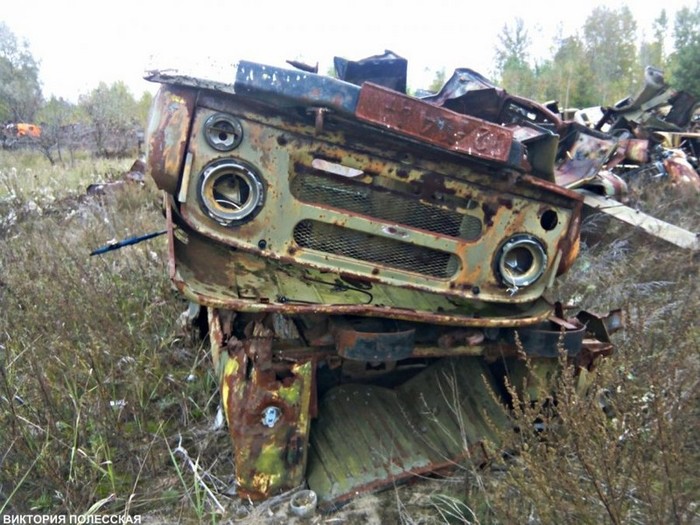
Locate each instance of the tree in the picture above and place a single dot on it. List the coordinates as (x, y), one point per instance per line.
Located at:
(115, 118)
(20, 90)
(512, 66)
(610, 41)
(685, 62)
(59, 120)
(567, 77)
(652, 53)
(438, 81)
(144, 107)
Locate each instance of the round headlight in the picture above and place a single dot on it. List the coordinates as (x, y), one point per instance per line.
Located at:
(223, 132)
(521, 261)
(230, 192)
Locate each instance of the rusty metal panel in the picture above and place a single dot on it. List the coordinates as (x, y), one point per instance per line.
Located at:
(470, 93)
(586, 153)
(438, 126)
(637, 150)
(204, 274)
(655, 227)
(168, 131)
(608, 184)
(449, 213)
(387, 69)
(681, 172)
(367, 437)
(369, 346)
(268, 417)
(399, 214)
(305, 89)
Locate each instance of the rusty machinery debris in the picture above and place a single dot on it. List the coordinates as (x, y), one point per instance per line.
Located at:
(365, 259)
(14, 134)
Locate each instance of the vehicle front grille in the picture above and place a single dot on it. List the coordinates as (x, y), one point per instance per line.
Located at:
(329, 238)
(385, 205)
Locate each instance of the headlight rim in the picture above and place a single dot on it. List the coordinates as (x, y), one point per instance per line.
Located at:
(220, 145)
(537, 268)
(213, 173)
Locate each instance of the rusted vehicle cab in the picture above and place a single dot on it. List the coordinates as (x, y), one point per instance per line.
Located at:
(351, 244)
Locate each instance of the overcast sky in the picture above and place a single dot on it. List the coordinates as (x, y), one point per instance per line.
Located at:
(82, 42)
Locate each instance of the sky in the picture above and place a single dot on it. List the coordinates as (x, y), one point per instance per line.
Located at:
(80, 43)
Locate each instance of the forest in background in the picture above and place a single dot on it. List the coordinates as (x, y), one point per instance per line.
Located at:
(602, 63)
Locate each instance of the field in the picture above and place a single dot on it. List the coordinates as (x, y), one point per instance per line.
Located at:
(108, 405)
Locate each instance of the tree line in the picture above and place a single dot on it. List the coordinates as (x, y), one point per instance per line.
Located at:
(107, 121)
(604, 61)
(600, 64)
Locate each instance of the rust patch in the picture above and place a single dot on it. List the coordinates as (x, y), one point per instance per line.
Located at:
(167, 135)
(490, 210)
(268, 415)
(353, 343)
(434, 125)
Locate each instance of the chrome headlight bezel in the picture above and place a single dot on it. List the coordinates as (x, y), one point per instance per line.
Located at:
(230, 191)
(521, 261)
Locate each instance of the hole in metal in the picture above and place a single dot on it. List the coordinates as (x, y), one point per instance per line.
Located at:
(549, 220)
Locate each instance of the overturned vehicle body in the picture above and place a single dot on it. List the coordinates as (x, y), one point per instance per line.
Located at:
(370, 264)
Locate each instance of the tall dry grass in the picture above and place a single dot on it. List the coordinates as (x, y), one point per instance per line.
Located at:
(105, 406)
(627, 449)
(95, 380)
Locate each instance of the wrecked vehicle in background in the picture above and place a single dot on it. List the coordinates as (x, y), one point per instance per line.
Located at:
(639, 140)
(657, 135)
(14, 134)
(371, 265)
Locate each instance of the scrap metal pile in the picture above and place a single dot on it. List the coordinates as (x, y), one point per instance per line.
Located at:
(655, 135)
(19, 133)
(371, 263)
(652, 138)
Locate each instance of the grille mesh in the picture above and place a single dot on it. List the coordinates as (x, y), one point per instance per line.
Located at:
(329, 238)
(384, 205)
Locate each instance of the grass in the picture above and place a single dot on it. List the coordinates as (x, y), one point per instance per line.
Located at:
(627, 451)
(106, 405)
(95, 378)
